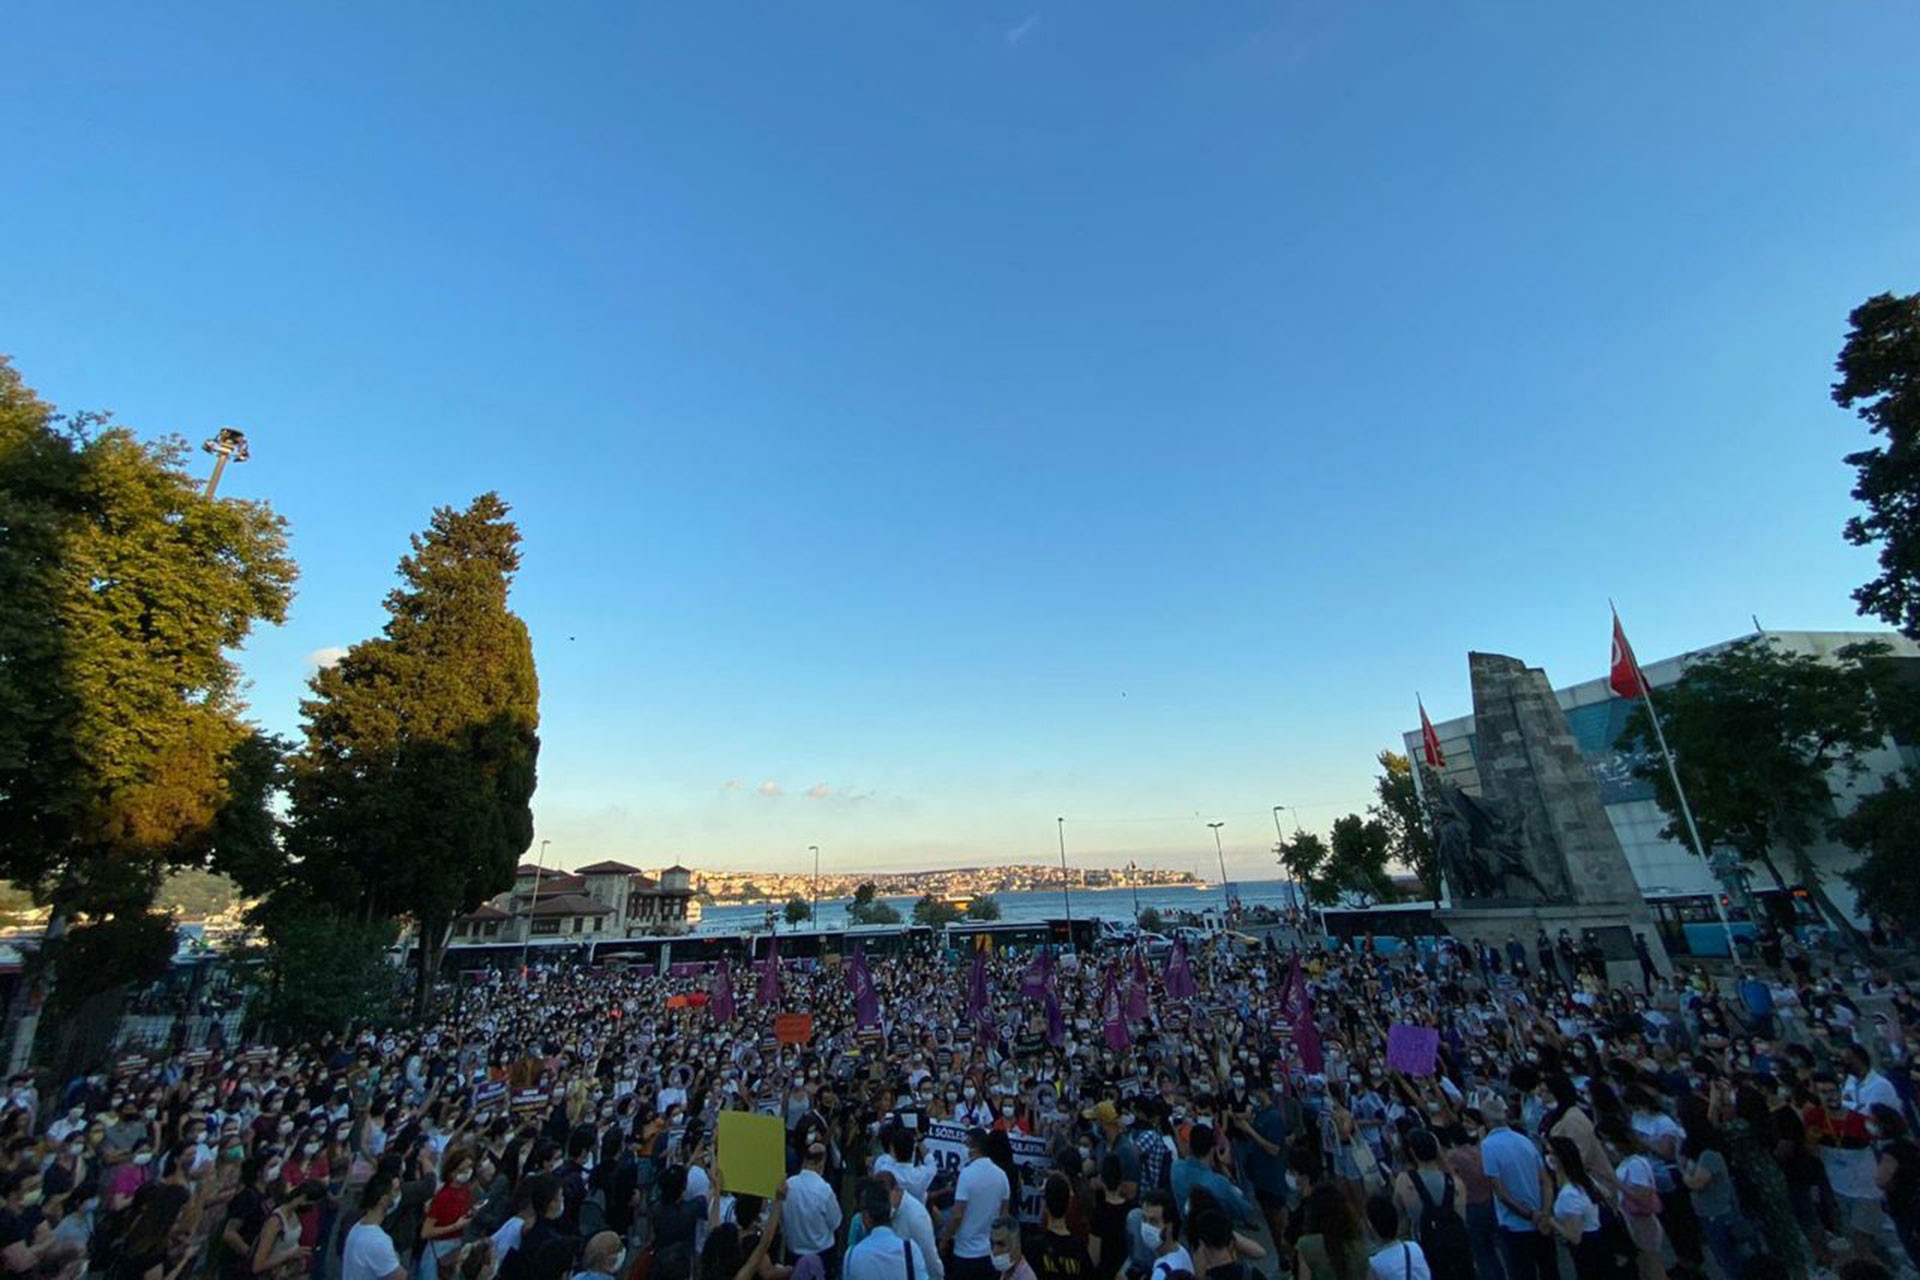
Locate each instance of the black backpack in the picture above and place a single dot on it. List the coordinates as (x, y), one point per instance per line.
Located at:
(1442, 1232)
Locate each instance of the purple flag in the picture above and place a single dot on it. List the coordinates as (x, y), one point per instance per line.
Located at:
(1293, 994)
(866, 1001)
(1114, 1016)
(978, 1010)
(770, 976)
(721, 1002)
(1179, 979)
(1037, 981)
(1306, 1042)
(1137, 990)
(1056, 1022)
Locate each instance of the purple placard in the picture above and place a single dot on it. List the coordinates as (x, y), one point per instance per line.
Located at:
(1414, 1050)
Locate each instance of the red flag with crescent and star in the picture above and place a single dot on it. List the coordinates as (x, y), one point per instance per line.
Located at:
(1430, 741)
(1623, 677)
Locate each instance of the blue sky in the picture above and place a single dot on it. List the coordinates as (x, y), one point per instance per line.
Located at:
(987, 412)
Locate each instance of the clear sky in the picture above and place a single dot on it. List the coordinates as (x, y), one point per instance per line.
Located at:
(975, 413)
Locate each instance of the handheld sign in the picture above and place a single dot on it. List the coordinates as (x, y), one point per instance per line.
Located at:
(1414, 1050)
(752, 1152)
(792, 1028)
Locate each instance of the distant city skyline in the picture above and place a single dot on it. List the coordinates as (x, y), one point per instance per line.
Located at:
(926, 421)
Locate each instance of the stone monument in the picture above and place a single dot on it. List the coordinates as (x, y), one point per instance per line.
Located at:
(1535, 849)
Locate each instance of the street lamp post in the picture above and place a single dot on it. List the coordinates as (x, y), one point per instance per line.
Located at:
(1133, 879)
(1293, 890)
(814, 914)
(539, 870)
(1226, 897)
(226, 446)
(1066, 893)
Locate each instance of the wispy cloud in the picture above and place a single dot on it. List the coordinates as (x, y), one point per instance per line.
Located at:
(733, 784)
(1016, 35)
(769, 789)
(819, 791)
(321, 659)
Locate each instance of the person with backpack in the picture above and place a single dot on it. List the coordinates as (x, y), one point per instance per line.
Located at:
(1433, 1201)
(1395, 1259)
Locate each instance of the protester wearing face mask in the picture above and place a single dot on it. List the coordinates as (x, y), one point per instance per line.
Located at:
(369, 1253)
(1006, 1259)
(448, 1213)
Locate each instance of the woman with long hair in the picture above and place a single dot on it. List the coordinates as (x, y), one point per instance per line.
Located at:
(1638, 1198)
(1583, 1219)
(1332, 1242)
(146, 1251)
(1746, 1123)
(728, 1254)
(1703, 1168)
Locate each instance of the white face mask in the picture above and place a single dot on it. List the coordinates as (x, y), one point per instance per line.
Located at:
(1003, 1262)
(1149, 1235)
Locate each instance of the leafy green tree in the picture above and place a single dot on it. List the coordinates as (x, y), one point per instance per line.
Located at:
(798, 910)
(1304, 859)
(865, 893)
(1885, 829)
(1409, 833)
(1357, 859)
(324, 971)
(123, 590)
(873, 911)
(751, 892)
(1151, 921)
(1758, 735)
(1879, 371)
(984, 907)
(937, 912)
(411, 795)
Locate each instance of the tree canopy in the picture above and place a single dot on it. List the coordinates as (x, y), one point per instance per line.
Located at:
(1879, 371)
(1357, 859)
(1409, 833)
(1304, 858)
(123, 591)
(411, 794)
(934, 911)
(872, 911)
(984, 907)
(864, 892)
(1757, 735)
(798, 910)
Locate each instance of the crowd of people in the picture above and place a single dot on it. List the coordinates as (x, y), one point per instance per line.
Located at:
(1017, 1117)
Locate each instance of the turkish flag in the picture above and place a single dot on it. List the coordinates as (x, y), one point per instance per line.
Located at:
(1624, 677)
(1430, 742)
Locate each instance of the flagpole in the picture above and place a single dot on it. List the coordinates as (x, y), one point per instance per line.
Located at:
(1673, 774)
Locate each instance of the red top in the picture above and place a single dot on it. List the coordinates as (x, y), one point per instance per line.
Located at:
(450, 1204)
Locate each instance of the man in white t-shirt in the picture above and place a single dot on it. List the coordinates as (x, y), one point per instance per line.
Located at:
(369, 1253)
(979, 1197)
(1160, 1232)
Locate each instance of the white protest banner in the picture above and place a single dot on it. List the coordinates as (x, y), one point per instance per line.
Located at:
(947, 1144)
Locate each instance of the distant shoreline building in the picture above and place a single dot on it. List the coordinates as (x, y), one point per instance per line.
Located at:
(596, 903)
(1665, 869)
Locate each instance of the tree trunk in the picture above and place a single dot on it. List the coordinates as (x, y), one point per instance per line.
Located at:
(1765, 859)
(433, 934)
(1810, 877)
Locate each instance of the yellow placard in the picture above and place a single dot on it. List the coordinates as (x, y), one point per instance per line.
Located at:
(752, 1152)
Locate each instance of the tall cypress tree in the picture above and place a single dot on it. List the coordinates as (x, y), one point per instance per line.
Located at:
(412, 795)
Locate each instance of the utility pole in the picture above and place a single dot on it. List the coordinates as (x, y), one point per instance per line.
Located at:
(227, 445)
(1066, 893)
(539, 870)
(814, 913)
(1226, 896)
(1293, 890)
